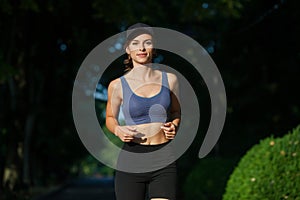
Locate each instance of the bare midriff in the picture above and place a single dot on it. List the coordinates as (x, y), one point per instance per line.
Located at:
(150, 134)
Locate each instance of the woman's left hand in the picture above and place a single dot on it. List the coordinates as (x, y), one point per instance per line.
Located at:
(170, 130)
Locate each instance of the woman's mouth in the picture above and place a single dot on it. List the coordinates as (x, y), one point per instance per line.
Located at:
(142, 55)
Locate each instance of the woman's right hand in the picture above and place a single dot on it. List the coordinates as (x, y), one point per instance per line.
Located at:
(125, 133)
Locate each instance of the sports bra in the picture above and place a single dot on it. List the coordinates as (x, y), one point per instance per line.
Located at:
(141, 110)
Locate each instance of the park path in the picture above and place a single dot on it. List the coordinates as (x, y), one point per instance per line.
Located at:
(83, 189)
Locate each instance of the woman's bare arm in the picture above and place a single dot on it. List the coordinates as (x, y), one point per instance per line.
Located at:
(170, 128)
(114, 100)
(113, 106)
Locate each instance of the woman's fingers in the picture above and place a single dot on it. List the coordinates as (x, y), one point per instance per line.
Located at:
(130, 130)
(126, 133)
(169, 130)
(126, 138)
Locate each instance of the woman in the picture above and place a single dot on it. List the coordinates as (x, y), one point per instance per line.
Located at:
(152, 115)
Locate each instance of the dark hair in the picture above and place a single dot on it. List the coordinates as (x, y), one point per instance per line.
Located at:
(132, 32)
(128, 64)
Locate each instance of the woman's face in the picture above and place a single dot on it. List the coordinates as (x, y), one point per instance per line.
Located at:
(140, 49)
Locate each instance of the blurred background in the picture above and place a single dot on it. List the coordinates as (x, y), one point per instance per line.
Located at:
(254, 43)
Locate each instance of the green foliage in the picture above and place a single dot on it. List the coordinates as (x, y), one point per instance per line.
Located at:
(6, 70)
(29, 5)
(19, 195)
(212, 10)
(269, 170)
(207, 179)
(36, 76)
(153, 12)
(8, 7)
(114, 139)
(91, 167)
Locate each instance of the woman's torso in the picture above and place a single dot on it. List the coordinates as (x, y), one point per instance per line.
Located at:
(146, 106)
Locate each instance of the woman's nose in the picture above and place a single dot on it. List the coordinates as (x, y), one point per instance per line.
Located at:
(142, 47)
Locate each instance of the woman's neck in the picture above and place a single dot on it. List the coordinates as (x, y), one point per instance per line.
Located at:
(141, 71)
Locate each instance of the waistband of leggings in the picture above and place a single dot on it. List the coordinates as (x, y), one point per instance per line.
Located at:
(142, 148)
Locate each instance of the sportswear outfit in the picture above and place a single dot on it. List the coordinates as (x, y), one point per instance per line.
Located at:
(160, 183)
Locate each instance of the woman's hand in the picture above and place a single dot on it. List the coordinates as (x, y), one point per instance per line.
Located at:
(170, 130)
(125, 133)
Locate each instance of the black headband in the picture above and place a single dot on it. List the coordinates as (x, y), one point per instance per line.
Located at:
(138, 29)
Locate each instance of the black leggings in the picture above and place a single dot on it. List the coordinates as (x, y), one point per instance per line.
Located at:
(140, 186)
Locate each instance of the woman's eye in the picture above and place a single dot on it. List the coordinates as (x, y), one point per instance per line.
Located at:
(149, 43)
(134, 43)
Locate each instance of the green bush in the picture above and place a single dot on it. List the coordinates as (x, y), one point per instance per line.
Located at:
(207, 180)
(269, 171)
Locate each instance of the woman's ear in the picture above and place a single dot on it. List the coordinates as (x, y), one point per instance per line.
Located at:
(127, 50)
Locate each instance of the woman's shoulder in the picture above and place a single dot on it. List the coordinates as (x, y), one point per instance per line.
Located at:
(114, 84)
(114, 88)
(172, 78)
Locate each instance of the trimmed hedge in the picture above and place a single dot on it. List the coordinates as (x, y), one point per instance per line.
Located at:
(269, 170)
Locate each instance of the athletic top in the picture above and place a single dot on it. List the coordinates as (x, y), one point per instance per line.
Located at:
(141, 110)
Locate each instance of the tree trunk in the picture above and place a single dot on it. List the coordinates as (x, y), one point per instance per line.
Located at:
(29, 125)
